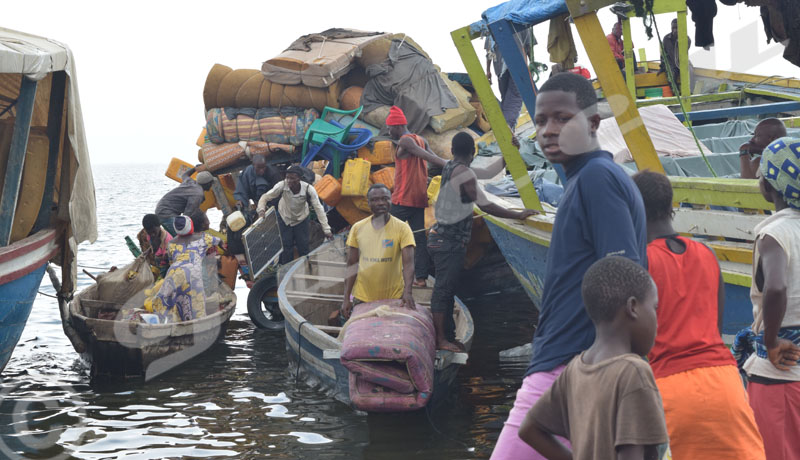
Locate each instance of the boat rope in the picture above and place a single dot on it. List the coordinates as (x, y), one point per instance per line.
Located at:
(48, 295)
(299, 350)
(676, 91)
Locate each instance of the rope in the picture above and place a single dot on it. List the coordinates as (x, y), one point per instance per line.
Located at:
(439, 432)
(676, 91)
(48, 295)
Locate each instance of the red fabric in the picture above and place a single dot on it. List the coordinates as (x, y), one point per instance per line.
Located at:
(688, 285)
(411, 179)
(777, 412)
(582, 71)
(616, 46)
(396, 117)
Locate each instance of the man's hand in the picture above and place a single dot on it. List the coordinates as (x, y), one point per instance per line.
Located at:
(347, 308)
(240, 205)
(261, 213)
(408, 301)
(489, 76)
(328, 236)
(525, 213)
(514, 141)
(784, 354)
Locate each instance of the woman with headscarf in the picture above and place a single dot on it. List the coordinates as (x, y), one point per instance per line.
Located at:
(181, 297)
(154, 238)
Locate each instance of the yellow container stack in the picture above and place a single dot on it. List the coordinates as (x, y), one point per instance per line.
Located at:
(329, 190)
(355, 179)
(433, 190)
(382, 153)
(384, 176)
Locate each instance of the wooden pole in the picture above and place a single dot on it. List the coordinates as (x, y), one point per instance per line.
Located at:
(683, 53)
(514, 163)
(54, 131)
(617, 94)
(627, 40)
(16, 158)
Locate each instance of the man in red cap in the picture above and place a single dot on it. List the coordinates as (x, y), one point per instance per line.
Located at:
(410, 197)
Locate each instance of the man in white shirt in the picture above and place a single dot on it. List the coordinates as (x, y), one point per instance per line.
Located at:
(293, 210)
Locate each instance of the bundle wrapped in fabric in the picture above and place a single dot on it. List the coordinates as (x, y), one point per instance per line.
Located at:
(389, 351)
(226, 87)
(219, 156)
(286, 125)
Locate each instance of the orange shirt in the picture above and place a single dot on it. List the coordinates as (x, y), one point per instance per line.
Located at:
(411, 179)
(688, 285)
(616, 46)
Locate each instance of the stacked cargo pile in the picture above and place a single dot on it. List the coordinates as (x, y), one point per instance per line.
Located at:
(268, 111)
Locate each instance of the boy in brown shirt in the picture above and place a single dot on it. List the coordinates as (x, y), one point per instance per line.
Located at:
(606, 401)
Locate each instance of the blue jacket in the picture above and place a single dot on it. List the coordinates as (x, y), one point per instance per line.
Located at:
(600, 214)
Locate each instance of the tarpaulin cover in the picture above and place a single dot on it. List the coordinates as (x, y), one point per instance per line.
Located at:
(410, 81)
(35, 57)
(523, 12)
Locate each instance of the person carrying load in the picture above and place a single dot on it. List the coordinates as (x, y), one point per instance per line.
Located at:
(184, 199)
(154, 238)
(293, 212)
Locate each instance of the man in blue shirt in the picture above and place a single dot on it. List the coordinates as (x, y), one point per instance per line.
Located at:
(600, 214)
(256, 180)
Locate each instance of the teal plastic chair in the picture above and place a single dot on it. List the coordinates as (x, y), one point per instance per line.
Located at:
(321, 129)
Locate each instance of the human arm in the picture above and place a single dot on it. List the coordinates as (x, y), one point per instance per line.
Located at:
(408, 276)
(465, 178)
(319, 211)
(748, 165)
(267, 197)
(773, 264)
(611, 211)
(407, 146)
(351, 271)
(193, 202)
(489, 67)
(544, 443)
(241, 194)
(492, 169)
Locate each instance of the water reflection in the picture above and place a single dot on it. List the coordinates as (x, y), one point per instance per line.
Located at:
(237, 399)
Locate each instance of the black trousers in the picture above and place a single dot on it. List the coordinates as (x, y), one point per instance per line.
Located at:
(448, 260)
(416, 220)
(291, 237)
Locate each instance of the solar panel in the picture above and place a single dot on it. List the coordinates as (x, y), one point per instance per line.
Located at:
(262, 243)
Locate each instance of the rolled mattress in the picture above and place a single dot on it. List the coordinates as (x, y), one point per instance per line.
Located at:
(389, 351)
(281, 126)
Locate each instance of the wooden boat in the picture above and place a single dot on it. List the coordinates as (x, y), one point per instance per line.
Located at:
(728, 232)
(47, 203)
(127, 349)
(310, 290)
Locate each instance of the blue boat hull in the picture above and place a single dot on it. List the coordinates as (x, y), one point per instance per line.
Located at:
(527, 260)
(16, 301)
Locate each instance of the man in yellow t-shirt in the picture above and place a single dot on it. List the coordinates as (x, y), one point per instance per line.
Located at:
(380, 256)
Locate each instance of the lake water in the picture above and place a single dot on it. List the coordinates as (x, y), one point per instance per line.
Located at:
(238, 399)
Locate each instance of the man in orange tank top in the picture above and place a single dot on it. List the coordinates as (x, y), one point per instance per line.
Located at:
(410, 196)
(694, 370)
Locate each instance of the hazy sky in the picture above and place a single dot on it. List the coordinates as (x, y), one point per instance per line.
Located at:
(141, 67)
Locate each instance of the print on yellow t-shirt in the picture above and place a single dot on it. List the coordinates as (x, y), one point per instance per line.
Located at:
(380, 265)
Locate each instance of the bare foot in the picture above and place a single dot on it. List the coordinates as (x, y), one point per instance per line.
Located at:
(443, 344)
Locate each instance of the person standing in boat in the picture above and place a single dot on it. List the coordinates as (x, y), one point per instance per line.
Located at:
(181, 297)
(600, 214)
(184, 199)
(767, 131)
(256, 180)
(380, 256)
(447, 242)
(154, 238)
(293, 212)
(692, 367)
(671, 56)
(769, 351)
(410, 197)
